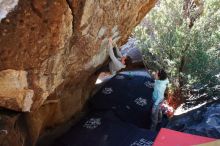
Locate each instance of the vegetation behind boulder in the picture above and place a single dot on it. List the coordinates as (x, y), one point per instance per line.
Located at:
(182, 36)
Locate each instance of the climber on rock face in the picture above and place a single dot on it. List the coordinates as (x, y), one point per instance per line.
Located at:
(117, 60)
(161, 82)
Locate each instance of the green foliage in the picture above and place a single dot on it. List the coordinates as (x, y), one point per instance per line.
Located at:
(168, 41)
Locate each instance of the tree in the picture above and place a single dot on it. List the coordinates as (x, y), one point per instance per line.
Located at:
(183, 37)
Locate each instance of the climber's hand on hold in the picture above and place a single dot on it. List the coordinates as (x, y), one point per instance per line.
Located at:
(110, 40)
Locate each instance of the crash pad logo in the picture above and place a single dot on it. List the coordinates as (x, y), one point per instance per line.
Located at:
(92, 123)
(149, 84)
(120, 77)
(107, 91)
(142, 142)
(140, 101)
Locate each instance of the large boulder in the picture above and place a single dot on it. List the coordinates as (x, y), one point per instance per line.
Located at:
(203, 121)
(50, 51)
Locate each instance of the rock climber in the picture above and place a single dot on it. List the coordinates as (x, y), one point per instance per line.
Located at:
(160, 85)
(117, 60)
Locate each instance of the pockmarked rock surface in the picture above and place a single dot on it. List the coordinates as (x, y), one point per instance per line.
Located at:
(50, 51)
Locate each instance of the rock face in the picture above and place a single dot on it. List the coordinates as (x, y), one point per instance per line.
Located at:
(50, 51)
(204, 121)
(14, 92)
(6, 7)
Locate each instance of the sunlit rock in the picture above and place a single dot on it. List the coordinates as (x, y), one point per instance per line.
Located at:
(6, 6)
(14, 90)
(59, 45)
